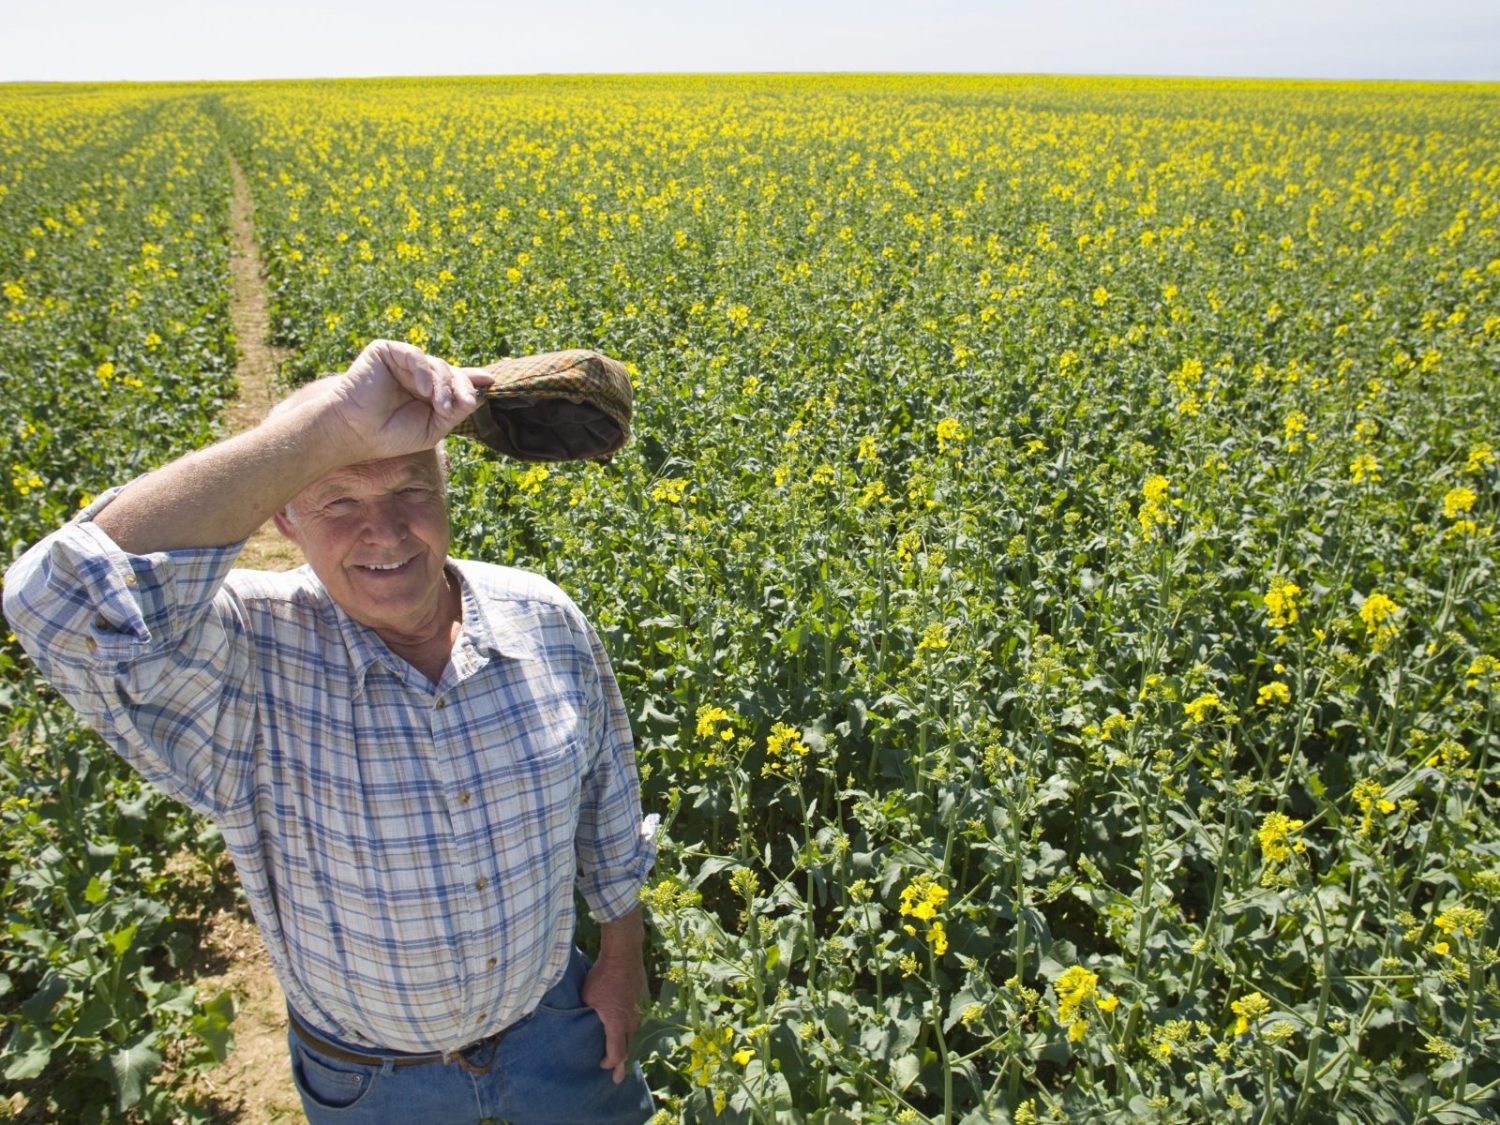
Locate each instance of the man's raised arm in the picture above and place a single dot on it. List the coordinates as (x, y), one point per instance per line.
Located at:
(393, 400)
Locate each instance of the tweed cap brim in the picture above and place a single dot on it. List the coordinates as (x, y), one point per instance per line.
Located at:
(561, 406)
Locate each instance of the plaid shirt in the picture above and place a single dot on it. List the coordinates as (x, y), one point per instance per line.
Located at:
(409, 851)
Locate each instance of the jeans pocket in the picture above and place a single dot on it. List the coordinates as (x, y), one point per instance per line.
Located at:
(330, 1084)
(565, 998)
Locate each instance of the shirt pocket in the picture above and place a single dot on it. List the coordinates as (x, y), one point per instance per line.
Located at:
(542, 726)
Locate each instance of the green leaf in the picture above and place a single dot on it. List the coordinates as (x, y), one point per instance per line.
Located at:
(212, 1024)
(27, 1054)
(904, 1072)
(130, 1067)
(95, 892)
(122, 939)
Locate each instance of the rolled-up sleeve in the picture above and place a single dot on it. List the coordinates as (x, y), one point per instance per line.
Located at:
(150, 650)
(616, 846)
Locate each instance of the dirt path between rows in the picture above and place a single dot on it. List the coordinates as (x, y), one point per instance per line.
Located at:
(254, 1085)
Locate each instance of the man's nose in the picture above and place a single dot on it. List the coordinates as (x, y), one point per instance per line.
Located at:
(384, 522)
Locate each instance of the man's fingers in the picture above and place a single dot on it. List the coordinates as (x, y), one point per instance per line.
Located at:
(419, 374)
(616, 1039)
(452, 393)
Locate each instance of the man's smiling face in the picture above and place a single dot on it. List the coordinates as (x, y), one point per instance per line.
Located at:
(376, 535)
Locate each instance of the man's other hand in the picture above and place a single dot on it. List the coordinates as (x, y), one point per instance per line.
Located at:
(616, 989)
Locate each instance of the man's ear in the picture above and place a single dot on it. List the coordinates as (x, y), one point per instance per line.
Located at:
(287, 525)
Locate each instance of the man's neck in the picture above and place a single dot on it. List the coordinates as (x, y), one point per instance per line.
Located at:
(428, 649)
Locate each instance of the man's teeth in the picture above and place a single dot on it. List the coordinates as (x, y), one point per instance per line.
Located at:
(388, 566)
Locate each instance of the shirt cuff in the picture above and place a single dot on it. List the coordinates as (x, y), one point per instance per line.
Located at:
(139, 603)
(612, 897)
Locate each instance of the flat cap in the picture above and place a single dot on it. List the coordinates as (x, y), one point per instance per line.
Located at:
(560, 406)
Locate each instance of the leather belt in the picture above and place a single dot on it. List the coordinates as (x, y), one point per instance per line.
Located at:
(344, 1054)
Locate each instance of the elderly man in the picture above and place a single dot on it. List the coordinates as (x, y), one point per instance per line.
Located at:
(413, 759)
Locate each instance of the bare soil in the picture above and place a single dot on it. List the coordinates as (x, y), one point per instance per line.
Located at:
(254, 1085)
(258, 361)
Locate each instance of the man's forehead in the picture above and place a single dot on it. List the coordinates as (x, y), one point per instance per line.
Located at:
(421, 466)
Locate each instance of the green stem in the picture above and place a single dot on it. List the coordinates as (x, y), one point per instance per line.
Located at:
(942, 1042)
(1316, 1033)
(1210, 923)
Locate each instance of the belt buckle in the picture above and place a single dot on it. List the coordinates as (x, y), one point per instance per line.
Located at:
(491, 1043)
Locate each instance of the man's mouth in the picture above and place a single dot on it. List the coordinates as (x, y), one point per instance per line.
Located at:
(382, 568)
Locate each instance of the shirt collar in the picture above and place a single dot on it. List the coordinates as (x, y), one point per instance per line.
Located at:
(484, 629)
(486, 626)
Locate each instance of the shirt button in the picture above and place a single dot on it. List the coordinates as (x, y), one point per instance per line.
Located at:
(492, 962)
(440, 704)
(130, 580)
(480, 1017)
(464, 798)
(480, 883)
(91, 644)
(101, 622)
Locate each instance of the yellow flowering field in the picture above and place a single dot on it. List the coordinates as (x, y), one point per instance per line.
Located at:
(1054, 579)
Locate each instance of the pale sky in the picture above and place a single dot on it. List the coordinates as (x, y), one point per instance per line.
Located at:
(99, 40)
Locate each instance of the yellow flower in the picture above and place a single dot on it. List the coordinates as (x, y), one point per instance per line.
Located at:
(935, 636)
(785, 739)
(1458, 500)
(1377, 614)
(1481, 667)
(1441, 948)
(1156, 512)
(1074, 987)
(533, 478)
(784, 750)
(743, 1056)
(1363, 468)
(1108, 1003)
(1281, 602)
(1249, 1009)
(1273, 834)
(1479, 457)
(1199, 709)
(669, 490)
(1370, 796)
(1077, 1031)
(1274, 692)
(708, 719)
(706, 1054)
(1460, 920)
(948, 433)
(937, 937)
(922, 897)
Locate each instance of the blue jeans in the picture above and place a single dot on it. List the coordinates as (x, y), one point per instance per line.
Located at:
(545, 1071)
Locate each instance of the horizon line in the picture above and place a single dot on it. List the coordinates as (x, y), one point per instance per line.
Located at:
(619, 74)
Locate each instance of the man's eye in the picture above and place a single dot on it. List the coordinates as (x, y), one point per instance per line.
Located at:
(340, 502)
(415, 490)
